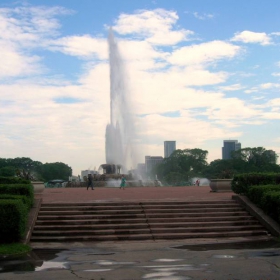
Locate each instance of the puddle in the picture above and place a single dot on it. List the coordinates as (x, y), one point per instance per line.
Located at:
(164, 276)
(98, 270)
(46, 259)
(221, 246)
(261, 254)
(224, 257)
(108, 262)
(167, 260)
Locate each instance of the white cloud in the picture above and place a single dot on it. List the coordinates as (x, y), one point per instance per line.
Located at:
(155, 26)
(252, 37)
(23, 28)
(269, 86)
(203, 16)
(81, 46)
(233, 87)
(15, 63)
(204, 53)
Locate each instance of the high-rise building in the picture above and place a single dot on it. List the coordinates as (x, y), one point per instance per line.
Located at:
(169, 148)
(230, 146)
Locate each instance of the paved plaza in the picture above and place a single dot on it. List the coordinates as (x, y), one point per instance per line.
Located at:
(132, 193)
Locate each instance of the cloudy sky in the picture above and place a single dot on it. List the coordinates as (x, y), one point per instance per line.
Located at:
(199, 72)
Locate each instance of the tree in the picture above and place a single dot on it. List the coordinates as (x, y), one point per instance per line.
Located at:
(183, 164)
(258, 157)
(57, 170)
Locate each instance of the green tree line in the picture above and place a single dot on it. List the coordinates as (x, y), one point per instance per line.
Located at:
(185, 164)
(10, 167)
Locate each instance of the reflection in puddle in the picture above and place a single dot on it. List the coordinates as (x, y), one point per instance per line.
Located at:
(98, 270)
(108, 262)
(167, 260)
(53, 265)
(164, 275)
(224, 257)
(220, 246)
(264, 254)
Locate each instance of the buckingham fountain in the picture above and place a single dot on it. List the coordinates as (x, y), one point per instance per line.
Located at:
(120, 131)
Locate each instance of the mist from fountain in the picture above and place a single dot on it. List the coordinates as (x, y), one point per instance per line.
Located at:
(120, 130)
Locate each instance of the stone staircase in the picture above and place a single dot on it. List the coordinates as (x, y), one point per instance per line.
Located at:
(149, 220)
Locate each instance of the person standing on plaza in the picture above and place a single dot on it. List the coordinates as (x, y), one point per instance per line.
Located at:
(90, 181)
(123, 181)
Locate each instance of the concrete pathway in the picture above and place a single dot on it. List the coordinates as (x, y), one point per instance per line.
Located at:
(166, 260)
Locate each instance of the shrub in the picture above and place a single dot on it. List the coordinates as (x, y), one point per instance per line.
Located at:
(13, 180)
(241, 182)
(255, 193)
(19, 189)
(13, 218)
(25, 200)
(271, 204)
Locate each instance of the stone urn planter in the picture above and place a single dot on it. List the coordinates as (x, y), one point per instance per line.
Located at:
(220, 185)
(38, 187)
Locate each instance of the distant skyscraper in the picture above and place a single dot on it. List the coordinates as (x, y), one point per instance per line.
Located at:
(229, 146)
(169, 148)
(151, 162)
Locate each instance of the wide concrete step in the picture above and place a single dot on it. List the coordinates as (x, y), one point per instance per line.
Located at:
(152, 220)
(166, 224)
(135, 207)
(140, 215)
(152, 230)
(145, 203)
(115, 237)
(136, 211)
(143, 220)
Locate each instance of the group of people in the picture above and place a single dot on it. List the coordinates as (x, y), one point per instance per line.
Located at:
(90, 182)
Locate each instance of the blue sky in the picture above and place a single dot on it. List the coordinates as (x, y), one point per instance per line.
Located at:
(198, 72)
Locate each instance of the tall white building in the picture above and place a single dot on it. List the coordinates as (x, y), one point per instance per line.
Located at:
(169, 148)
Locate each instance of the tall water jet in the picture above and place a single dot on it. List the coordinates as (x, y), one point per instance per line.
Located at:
(120, 130)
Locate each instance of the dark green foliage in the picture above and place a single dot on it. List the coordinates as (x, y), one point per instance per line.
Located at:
(13, 218)
(267, 197)
(26, 201)
(9, 171)
(175, 178)
(57, 170)
(19, 189)
(255, 193)
(241, 182)
(37, 171)
(13, 180)
(247, 160)
(181, 166)
(271, 204)
(14, 248)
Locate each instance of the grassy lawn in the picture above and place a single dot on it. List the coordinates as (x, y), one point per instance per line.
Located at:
(14, 248)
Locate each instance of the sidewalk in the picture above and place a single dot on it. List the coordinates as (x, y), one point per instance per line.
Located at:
(191, 193)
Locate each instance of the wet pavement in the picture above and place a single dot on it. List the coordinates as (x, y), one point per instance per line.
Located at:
(147, 260)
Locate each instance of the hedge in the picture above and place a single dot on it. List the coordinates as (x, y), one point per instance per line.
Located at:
(13, 180)
(267, 197)
(25, 200)
(13, 218)
(19, 189)
(241, 182)
(255, 193)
